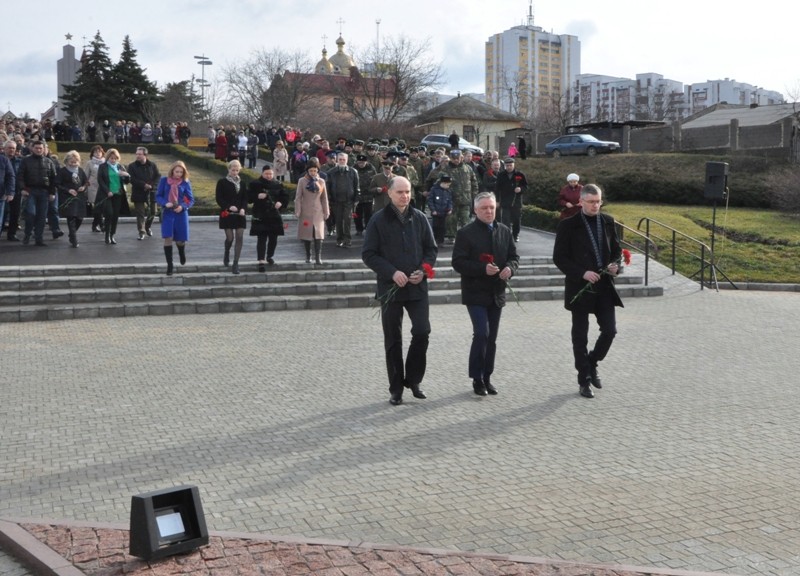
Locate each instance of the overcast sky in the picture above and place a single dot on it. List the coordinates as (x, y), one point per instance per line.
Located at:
(687, 41)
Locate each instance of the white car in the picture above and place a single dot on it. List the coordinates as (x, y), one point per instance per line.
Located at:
(442, 140)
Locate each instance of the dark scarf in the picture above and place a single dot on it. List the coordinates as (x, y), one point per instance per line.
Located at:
(595, 238)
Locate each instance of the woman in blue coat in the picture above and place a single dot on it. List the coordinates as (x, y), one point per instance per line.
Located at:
(175, 197)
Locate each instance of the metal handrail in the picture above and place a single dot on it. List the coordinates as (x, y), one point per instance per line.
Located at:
(621, 228)
(706, 257)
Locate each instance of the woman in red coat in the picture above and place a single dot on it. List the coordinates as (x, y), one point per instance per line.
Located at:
(221, 147)
(569, 198)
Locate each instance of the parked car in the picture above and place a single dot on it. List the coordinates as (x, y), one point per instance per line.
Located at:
(436, 140)
(579, 144)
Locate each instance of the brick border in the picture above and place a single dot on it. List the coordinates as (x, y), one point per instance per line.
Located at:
(27, 548)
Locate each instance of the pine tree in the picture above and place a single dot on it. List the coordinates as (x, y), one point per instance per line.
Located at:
(93, 96)
(138, 94)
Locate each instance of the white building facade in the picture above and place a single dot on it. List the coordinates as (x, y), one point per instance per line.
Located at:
(525, 64)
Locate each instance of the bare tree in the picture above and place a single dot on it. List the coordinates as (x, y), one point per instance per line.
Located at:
(390, 76)
(553, 114)
(247, 83)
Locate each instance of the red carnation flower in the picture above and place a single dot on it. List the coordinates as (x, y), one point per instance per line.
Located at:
(225, 213)
(429, 271)
(487, 258)
(305, 222)
(626, 256)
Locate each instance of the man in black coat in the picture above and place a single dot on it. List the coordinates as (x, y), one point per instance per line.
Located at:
(587, 251)
(511, 186)
(486, 257)
(343, 188)
(144, 181)
(398, 246)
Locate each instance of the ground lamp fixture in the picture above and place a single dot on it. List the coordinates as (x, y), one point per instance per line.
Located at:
(167, 522)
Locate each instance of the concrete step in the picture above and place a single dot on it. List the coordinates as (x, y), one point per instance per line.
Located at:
(60, 293)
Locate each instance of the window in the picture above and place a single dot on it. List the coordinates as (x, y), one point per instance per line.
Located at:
(469, 132)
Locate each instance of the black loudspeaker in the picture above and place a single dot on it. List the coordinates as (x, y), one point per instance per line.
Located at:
(167, 522)
(716, 181)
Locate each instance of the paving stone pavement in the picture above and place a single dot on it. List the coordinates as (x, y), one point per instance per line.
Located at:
(687, 458)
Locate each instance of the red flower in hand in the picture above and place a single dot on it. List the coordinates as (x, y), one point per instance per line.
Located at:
(186, 200)
(518, 178)
(626, 256)
(487, 258)
(305, 222)
(225, 213)
(428, 270)
(286, 226)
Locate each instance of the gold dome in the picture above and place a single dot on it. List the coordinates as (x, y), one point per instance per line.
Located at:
(341, 62)
(324, 66)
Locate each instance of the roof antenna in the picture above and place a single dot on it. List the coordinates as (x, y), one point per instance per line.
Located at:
(530, 12)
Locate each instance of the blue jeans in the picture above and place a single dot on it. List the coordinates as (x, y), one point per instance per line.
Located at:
(485, 325)
(36, 209)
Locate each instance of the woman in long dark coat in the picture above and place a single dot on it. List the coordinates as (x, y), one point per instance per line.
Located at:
(267, 196)
(72, 185)
(232, 200)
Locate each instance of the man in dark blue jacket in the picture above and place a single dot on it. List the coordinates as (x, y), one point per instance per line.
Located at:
(486, 257)
(398, 246)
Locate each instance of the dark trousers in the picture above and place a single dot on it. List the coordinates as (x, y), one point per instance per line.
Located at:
(439, 225)
(343, 215)
(111, 210)
(145, 212)
(485, 325)
(13, 215)
(511, 216)
(363, 214)
(265, 249)
(412, 371)
(605, 313)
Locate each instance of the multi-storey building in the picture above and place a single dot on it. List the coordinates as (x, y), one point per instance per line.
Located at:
(651, 97)
(525, 64)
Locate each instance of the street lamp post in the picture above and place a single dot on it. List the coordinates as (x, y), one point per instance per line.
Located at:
(203, 61)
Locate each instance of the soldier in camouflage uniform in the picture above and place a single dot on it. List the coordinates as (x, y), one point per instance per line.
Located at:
(373, 157)
(413, 177)
(463, 189)
(379, 186)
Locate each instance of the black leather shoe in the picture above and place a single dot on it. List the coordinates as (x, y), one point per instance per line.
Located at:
(586, 391)
(417, 392)
(479, 387)
(262, 267)
(594, 378)
(490, 389)
(396, 399)
(57, 234)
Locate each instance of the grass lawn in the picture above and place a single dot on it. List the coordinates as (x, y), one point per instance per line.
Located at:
(204, 182)
(750, 245)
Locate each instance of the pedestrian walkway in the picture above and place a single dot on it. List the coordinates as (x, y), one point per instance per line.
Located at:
(685, 460)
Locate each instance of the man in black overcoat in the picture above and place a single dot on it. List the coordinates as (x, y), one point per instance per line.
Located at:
(587, 251)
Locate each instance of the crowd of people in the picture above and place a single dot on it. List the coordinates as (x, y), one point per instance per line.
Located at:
(405, 201)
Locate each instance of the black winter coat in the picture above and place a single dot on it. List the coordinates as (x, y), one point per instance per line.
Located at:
(390, 245)
(473, 242)
(266, 219)
(574, 255)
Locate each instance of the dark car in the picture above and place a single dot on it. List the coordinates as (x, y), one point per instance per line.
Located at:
(579, 144)
(442, 140)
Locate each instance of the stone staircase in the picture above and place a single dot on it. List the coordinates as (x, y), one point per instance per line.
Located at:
(36, 293)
